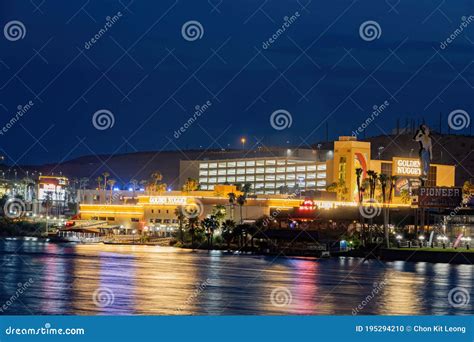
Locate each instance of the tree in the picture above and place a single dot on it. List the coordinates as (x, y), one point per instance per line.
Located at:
(191, 184)
(156, 178)
(232, 199)
(359, 172)
(383, 179)
(246, 188)
(210, 224)
(241, 199)
(99, 182)
(134, 184)
(228, 227)
(106, 175)
(372, 183)
(111, 183)
(193, 224)
(405, 196)
(339, 188)
(179, 213)
(219, 212)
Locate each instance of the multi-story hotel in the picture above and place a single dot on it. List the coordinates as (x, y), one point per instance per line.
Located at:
(311, 170)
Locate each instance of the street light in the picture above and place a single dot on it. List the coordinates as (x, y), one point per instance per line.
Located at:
(243, 141)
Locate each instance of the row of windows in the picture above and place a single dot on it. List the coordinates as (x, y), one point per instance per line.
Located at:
(277, 185)
(241, 179)
(163, 221)
(252, 170)
(250, 163)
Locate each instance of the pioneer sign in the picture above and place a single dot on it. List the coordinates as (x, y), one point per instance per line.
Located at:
(439, 197)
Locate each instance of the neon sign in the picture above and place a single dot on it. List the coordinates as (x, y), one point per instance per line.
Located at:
(308, 205)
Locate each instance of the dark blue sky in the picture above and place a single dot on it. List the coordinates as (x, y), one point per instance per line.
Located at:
(144, 72)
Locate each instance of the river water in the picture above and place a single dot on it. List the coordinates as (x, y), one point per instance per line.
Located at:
(46, 278)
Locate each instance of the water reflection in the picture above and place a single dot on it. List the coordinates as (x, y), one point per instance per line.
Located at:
(145, 280)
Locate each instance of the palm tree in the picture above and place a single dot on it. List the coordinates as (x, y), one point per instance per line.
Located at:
(372, 183)
(134, 184)
(106, 175)
(241, 199)
(82, 186)
(193, 223)
(111, 183)
(383, 179)
(219, 212)
(232, 199)
(228, 227)
(191, 184)
(359, 172)
(156, 178)
(99, 182)
(209, 225)
(179, 213)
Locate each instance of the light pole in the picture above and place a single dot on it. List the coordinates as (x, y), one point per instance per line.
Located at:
(243, 141)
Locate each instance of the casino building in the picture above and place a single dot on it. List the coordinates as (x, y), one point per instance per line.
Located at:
(311, 171)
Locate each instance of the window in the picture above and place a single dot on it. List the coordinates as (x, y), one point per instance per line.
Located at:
(270, 170)
(270, 177)
(157, 220)
(281, 162)
(213, 180)
(204, 187)
(270, 185)
(260, 162)
(231, 171)
(250, 178)
(231, 179)
(321, 175)
(231, 164)
(301, 176)
(386, 168)
(203, 165)
(259, 186)
(102, 218)
(280, 177)
(260, 170)
(151, 220)
(240, 171)
(342, 168)
(311, 168)
(134, 219)
(251, 163)
(290, 169)
(251, 171)
(311, 176)
(110, 218)
(321, 167)
(431, 176)
(221, 172)
(212, 172)
(167, 211)
(311, 184)
(212, 165)
(259, 178)
(271, 162)
(152, 211)
(240, 179)
(290, 177)
(301, 168)
(202, 180)
(280, 169)
(221, 180)
(240, 164)
(203, 173)
(321, 183)
(222, 164)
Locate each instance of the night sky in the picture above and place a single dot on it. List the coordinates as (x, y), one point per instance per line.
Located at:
(151, 78)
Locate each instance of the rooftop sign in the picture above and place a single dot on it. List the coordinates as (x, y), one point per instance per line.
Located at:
(406, 167)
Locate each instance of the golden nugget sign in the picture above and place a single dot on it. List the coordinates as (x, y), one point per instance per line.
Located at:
(168, 200)
(406, 167)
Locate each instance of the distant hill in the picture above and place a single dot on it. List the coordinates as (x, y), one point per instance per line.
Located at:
(447, 149)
